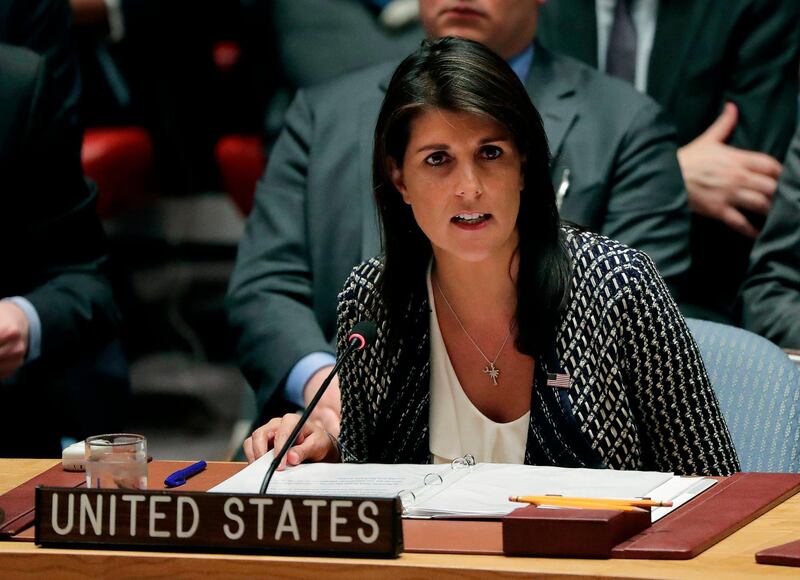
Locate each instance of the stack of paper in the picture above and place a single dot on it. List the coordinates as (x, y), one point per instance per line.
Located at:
(478, 491)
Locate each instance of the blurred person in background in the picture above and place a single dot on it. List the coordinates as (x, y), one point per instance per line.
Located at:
(726, 74)
(57, 305)
(57, 313)
(45, 28)
(771, 292)
(320, 40)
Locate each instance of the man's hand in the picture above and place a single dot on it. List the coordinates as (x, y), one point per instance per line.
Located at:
(328, 412)
(724, 181)
(14, 338)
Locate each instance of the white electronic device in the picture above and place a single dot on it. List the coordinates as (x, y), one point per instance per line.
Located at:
(73, 458)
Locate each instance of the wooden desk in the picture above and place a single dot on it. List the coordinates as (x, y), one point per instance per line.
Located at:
(731, 558)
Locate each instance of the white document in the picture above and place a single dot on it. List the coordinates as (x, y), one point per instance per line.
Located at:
(478, 491)
(340, 479)
(485, 490)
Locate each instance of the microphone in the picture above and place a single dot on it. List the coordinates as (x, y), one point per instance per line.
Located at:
(362, 334)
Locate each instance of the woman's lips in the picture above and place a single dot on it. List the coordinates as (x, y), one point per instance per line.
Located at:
(471, 220)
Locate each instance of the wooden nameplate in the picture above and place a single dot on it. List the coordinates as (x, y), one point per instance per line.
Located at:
(162, 520)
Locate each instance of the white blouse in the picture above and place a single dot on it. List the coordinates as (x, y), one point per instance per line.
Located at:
(457, 427)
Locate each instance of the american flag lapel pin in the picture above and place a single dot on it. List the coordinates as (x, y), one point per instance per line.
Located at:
(558, 380)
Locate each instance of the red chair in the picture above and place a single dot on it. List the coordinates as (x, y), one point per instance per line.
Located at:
(122, 163)
(240, 157)
(241, 161)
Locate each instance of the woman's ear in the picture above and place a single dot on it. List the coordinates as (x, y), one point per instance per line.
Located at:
(396, 174)
(522, 172)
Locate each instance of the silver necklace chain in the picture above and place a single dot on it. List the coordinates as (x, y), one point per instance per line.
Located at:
(491, 369)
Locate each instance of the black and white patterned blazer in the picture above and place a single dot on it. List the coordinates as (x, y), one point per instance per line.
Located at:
(639, 398)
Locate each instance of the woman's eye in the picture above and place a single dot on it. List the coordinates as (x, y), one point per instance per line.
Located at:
(435, 159)
(491, 152)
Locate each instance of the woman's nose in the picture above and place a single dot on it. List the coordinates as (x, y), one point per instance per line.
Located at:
(469, 184)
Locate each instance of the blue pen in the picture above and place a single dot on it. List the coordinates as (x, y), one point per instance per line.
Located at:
(179, 477)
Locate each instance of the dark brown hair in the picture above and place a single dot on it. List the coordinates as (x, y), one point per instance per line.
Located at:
(464, 76)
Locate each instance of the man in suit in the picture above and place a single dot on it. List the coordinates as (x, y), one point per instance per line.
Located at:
(614, 167)
(771, 293)
(56, 304)
(320, 40)
(726, 74)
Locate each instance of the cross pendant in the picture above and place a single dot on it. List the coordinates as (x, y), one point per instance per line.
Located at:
(493, 372)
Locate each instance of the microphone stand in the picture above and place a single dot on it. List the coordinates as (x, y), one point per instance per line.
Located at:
(354, 345)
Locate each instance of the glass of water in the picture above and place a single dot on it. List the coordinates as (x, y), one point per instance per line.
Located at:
(116, 461)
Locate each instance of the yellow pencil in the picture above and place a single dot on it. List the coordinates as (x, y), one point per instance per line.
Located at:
(558, 499)
(589, 505)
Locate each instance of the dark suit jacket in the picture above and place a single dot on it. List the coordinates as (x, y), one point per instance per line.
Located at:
(43, 26)
(320, 40)
(314, 217)
(771, 293)
(53, 244)
(705, 53)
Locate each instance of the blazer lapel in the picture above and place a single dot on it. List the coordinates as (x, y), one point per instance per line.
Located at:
(403, 434)
(370, 230)
(552, 90)
(678, 23)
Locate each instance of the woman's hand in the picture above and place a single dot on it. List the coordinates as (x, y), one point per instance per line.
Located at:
(312, 444)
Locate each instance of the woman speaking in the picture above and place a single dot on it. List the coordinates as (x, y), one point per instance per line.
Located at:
(502, 333)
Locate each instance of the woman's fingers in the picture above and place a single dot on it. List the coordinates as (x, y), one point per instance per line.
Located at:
(284, 429)
(317, 446)
(248, 449)
(312, 443)
(262, 439)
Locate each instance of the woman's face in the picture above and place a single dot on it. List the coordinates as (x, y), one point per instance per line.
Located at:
(462, 177)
